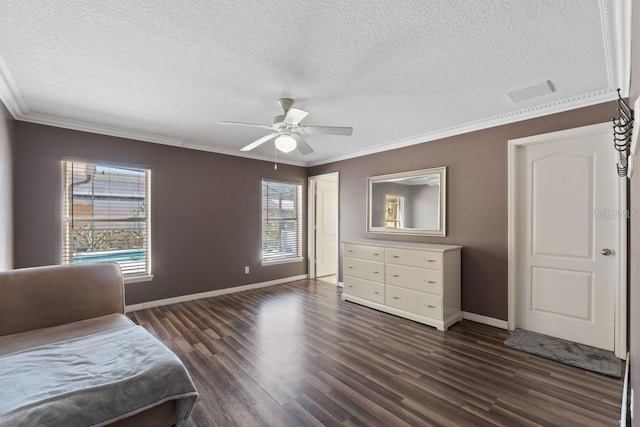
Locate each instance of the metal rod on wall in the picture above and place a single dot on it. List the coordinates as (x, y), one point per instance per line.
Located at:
(622, 131)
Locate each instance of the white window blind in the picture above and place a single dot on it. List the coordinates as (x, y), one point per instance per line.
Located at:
(281, 221)
(105, 213)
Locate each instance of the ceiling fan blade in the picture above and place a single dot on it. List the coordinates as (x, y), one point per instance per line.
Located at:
(260, 141)
(327, 130)
(294, 116)
(255, 125)
(302, 146)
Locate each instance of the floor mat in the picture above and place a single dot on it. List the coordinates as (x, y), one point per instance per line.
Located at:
(570, 353)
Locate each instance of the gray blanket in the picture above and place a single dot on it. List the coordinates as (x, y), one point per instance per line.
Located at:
(92, 381)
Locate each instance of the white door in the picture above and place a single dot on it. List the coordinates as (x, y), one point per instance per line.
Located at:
(569, 238)
(326, 228)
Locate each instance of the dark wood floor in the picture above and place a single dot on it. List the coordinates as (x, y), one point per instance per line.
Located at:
(295, 354)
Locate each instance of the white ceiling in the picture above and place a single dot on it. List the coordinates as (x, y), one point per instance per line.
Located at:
(399, 73)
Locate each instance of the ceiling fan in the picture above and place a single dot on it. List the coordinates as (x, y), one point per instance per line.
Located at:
(288, 132)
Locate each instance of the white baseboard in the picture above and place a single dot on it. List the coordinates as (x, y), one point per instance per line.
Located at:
(209, 294)
(497, 323)
(502, 324)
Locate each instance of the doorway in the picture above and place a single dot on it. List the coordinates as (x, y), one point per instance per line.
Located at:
(567, 237)
(323, 227)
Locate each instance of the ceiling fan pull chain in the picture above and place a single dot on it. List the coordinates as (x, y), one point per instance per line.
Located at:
(275, 158)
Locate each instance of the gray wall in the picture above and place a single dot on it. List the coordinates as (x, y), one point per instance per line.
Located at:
(203, 229)
(6, 202)
(205, 209)
(476, 197)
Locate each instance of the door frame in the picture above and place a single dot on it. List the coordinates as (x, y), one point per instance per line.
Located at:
(620, 303)
(311, 235)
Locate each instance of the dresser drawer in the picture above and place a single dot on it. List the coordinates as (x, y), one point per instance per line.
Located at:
(424, 259)
(413, 301)
(371, 291)
(419, 279)
(369, 270)
(371, 253)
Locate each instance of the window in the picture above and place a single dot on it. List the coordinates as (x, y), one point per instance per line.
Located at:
(105, 217)
(281, 222)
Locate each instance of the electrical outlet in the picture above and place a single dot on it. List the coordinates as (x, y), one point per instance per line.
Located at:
(246, 269)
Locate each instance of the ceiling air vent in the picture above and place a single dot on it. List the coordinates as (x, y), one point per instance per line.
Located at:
(535, 91)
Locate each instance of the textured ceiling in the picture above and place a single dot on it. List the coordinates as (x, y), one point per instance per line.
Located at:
(399, 73)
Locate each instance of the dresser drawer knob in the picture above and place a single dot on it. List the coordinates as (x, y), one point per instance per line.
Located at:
(376, 272)
(351, 286)
(376, 292)
(431, 306)
(395, 256)
(350, 250)
(376, 254)
(431, 281)
(350, 267)
(396, 297)
(431, 260)
(396, 275)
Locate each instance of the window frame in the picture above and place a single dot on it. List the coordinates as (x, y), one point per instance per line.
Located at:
(66, 219)
(299, 221)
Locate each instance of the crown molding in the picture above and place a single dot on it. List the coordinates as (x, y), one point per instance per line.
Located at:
(498, 120)
(44, 119)
(61, 122)
(616, 34)
(558, 106)
(608, 27)
(10, 94)
(623, 19)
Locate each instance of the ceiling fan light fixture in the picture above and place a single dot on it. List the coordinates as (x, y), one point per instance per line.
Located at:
(286, 143)
(287, 130)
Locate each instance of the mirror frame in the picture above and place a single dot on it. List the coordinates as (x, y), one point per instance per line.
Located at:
(441, 231)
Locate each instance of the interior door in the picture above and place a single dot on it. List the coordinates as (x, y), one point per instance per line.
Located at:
(568, 238)
(326, 228)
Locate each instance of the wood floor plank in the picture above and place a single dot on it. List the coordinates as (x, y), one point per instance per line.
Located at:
(323, 416)
(296, 355)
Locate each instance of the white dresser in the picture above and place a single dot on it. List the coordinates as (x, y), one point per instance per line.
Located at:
(418, 281)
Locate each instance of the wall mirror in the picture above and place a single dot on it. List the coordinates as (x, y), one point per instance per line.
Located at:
(408, 203)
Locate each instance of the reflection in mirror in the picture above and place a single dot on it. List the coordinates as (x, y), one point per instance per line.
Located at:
(408, 202)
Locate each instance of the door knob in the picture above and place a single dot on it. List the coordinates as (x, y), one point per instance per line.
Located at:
(606, 252)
